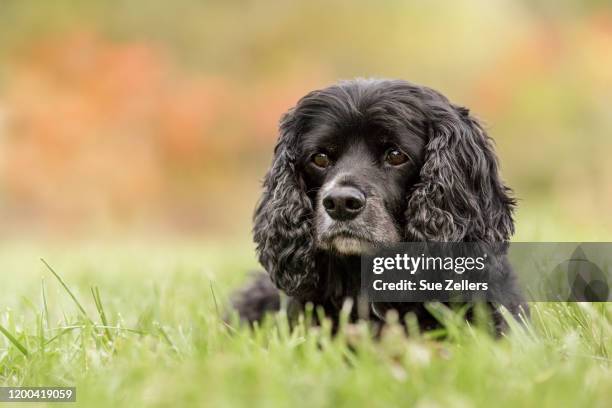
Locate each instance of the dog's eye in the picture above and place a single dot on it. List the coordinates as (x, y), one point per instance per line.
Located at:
(395, 157)
(321, 160)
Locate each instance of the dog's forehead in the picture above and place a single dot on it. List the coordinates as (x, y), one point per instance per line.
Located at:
(346, 133)
(371, 122)
(368, 137)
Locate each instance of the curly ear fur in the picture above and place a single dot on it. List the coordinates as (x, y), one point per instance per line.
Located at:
(460, 196)
(283, 228)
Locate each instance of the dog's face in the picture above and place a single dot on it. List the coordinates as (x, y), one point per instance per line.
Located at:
(357, 175)
(369, 162)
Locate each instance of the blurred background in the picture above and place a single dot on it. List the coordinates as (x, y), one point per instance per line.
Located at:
(159, 118)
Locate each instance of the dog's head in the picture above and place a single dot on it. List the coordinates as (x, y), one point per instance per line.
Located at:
(366, 163)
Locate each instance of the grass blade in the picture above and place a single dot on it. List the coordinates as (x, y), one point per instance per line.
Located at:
(45, 305)
(167, 338)
(212, 291)
(41, 333)
(15, 342)
(61, 281)
(98, 301)
(219, 315)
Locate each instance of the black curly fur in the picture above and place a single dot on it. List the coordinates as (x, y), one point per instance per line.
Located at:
(457, 196)
(283, 219)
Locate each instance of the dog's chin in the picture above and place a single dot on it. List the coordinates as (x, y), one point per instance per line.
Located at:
(352, 246)
(348, 245)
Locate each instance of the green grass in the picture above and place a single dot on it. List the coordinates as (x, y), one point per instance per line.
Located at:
(138, 325)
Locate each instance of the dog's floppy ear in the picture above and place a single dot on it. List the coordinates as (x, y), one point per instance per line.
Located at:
(460, 196)
(283, 218)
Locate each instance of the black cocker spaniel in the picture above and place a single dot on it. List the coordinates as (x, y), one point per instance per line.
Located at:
(363, 164)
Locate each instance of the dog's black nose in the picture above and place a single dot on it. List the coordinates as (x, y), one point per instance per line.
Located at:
(344, 203)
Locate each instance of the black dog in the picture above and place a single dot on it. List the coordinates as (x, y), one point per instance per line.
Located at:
(362, 164)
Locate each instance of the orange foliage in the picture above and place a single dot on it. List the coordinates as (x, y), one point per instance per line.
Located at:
(94, 128)
(89, 123)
